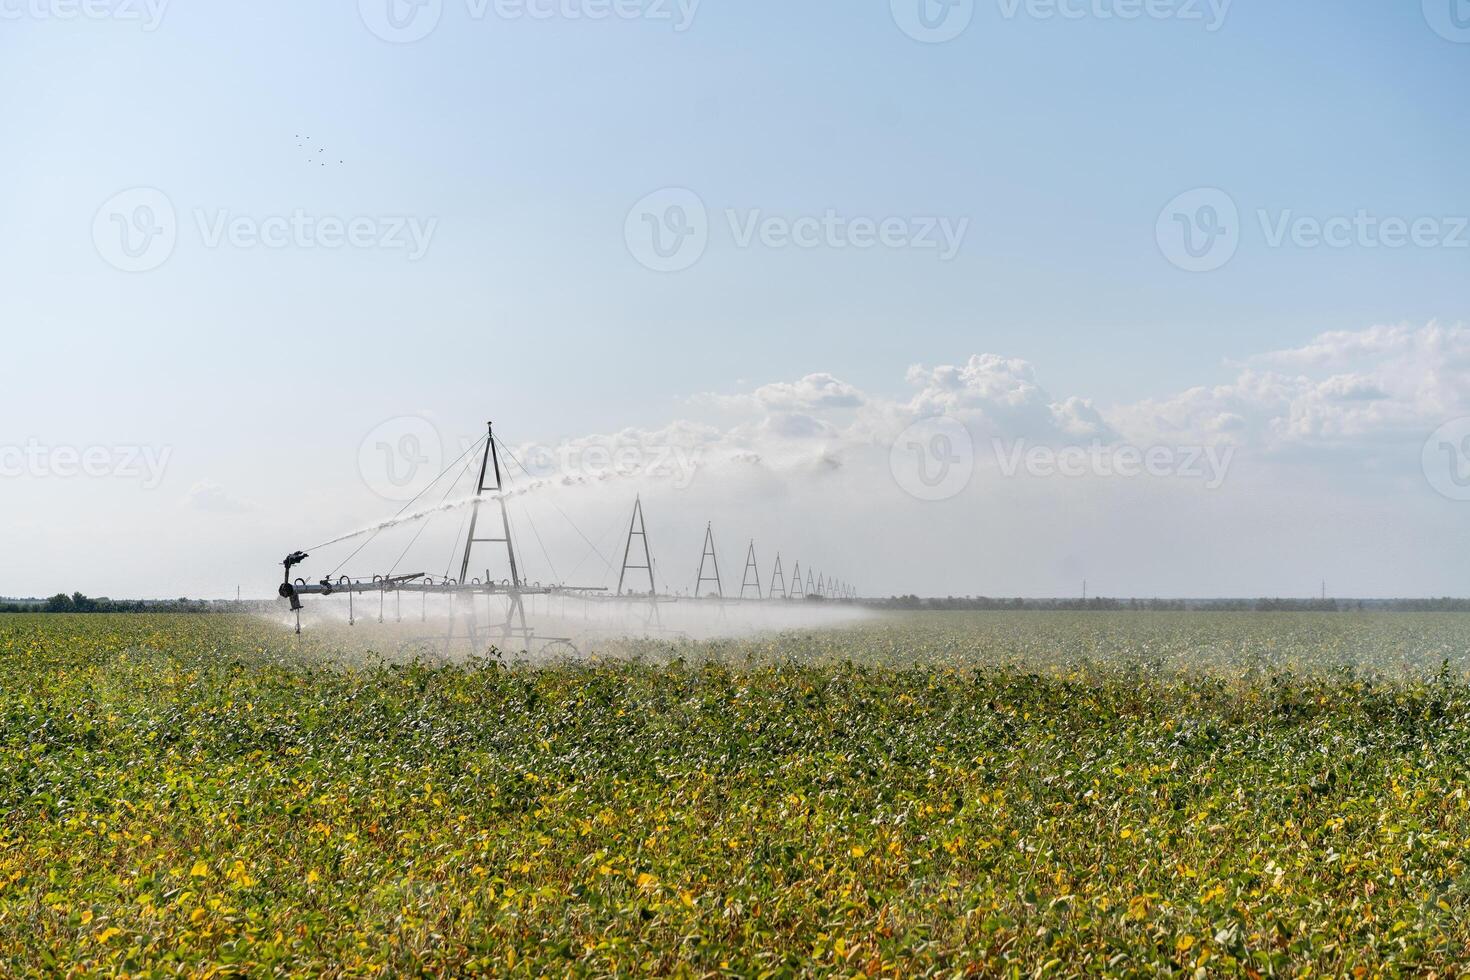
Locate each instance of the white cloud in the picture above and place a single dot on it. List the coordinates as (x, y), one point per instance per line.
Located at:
(798, 425)
(1337, 347)
(814, 392)
(1365, 390)
(1347, 390)
(1002, 396)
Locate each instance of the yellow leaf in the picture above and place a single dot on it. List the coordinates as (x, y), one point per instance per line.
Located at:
(107, 934)
(200, 870)
(1185, 941)
(858, 852)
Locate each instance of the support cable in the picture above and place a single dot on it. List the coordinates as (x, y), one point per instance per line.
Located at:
(425, 525)
(554, 507)
(401, 510)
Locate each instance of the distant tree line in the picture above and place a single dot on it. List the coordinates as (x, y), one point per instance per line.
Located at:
(77, 602)
(1175, 605)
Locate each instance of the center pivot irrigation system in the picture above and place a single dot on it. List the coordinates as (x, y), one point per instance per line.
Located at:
(491, 487)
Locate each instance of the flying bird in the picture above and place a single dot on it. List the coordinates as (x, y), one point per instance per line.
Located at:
(320, 150)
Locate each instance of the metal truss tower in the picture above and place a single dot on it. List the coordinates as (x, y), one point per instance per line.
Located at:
(489, 465)
(778, 576)
(751, 571)
(636, 529)
(710, 556)
(515, 609)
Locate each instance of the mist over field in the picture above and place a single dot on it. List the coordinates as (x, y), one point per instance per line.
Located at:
(456, 629)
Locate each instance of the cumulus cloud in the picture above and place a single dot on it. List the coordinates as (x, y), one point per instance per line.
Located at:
(798, 425)
(1344, 389)
(1337, 347)
(1347, 390)
(1002, 396)
(815, 392)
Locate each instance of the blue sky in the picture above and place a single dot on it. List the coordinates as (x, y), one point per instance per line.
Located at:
(523, 143)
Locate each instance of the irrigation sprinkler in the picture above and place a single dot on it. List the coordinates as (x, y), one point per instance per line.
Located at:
(515, 591)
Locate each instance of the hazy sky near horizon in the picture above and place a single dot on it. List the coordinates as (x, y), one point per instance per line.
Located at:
(267, 265)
